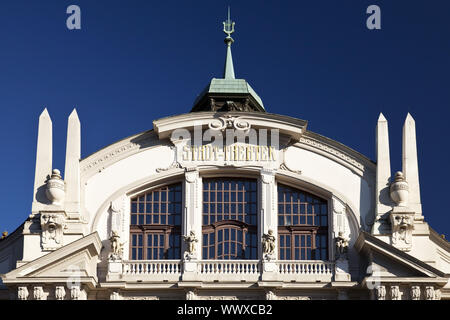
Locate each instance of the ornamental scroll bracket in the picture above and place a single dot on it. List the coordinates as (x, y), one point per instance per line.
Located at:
(230, 122)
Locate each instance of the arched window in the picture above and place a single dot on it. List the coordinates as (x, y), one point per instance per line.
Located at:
(155, 228)
(230, 219)
(302, 225)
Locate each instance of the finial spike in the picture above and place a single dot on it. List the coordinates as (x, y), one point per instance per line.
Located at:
(228, 28)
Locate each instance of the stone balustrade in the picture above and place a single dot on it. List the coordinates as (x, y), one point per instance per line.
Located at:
(305, 270)
(227, 270)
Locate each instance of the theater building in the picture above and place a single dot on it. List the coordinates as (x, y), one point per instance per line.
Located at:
(227, 201)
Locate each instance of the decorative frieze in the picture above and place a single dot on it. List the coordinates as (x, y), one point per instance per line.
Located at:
(332, 151)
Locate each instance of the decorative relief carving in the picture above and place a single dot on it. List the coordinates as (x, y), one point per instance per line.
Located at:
(283, 166)
(22, 293)
(112, 154)
(142, 298)
(115, 296)
(52, 225)
(75, 292)
(60, 293)
(429, 293)
(293, 298)
(402, 227)
(230, 122)
(332, 151)
(191, 175)
(191, 295)
(217, 298)
(270, 295)
(38, 293)
(380, 292)
(174, 165)
(437, 294)
(415, 292)
(395, 293)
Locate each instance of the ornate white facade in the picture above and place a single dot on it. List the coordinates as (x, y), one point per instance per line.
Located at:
(76, 243)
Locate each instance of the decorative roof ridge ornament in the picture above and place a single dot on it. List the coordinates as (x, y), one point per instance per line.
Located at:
(228, 93)
(228, 29)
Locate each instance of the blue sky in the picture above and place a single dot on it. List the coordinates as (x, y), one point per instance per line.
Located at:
(136, 61)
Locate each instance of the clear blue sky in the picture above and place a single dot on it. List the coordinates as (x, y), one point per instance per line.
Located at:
(136, 61)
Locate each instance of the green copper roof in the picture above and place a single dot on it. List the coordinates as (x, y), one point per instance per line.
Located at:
(230, 86)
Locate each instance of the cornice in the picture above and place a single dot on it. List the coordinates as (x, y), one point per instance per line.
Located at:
(330, 148)
(117, 151)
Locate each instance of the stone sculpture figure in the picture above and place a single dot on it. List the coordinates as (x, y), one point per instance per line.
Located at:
(268, 243)
(190, 242)
(381, 292)
(341, 246)
(116, 246)
(415, 293)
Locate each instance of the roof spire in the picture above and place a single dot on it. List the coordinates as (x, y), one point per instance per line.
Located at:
(228, 28)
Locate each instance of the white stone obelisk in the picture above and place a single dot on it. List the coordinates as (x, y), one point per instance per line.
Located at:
(72, 169)
(410, 165)
(43, 160)
(383, 200)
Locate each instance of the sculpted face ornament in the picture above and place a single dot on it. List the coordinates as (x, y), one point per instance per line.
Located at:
(52, 230)
(402, 226)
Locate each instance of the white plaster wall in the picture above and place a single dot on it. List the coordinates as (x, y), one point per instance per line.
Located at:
(104, 184)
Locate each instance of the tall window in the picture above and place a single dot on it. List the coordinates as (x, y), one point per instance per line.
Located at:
(155, 230)
(302, 225)
(230, 219)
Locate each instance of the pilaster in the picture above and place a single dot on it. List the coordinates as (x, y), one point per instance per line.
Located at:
(268, 221)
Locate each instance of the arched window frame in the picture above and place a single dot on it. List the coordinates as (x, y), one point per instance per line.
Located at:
(141, 230)
(304, 230)
(210, 249)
